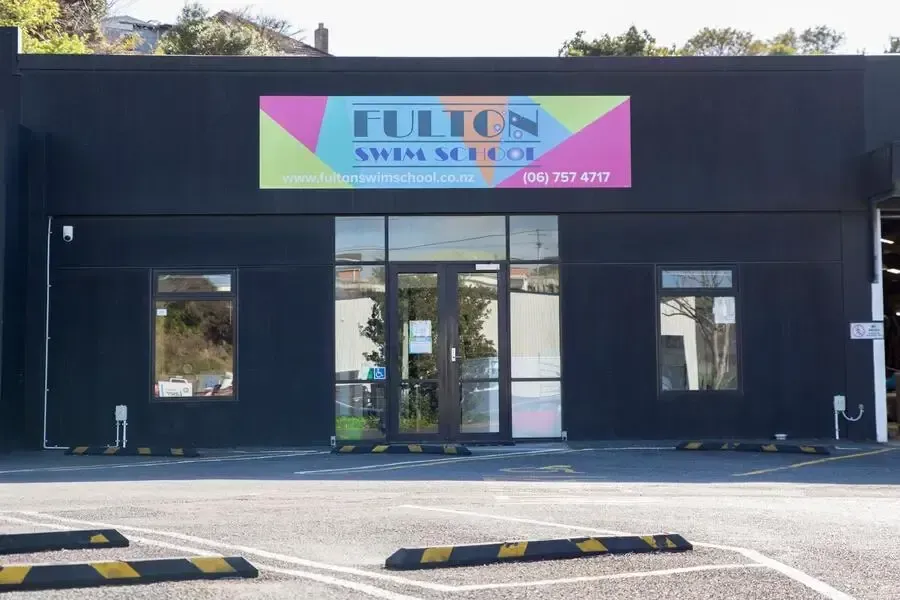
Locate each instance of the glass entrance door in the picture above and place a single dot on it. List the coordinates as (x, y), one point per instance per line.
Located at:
(448, 348)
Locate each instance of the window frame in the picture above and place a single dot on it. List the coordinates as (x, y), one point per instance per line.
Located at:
(232, 296)
(336, 265)
(506, 379)
(512, 380)
(712, 292)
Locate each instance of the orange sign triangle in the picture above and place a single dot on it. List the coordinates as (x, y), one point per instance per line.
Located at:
(494, 109)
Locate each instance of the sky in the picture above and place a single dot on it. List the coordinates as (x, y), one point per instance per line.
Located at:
(539, 27)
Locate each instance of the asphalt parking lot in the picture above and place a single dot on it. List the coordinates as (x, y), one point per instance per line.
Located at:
(319, 525)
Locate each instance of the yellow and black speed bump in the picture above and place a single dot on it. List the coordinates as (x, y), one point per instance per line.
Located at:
(745, 447)
(96, 574)
(482, 554)
(452, 449)
(132, 451)
(28, 543)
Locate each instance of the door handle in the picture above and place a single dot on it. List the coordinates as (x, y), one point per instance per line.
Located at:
(452, 354)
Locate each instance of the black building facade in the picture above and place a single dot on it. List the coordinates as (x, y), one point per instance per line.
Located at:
(153, 261)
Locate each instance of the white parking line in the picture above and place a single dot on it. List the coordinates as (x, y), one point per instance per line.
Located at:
(409, 464)
(353, 585)
(589, 578)
(360, 572)
(365, 588)
(135, 465)
(285, 558)
(795, 574)
(570, 501)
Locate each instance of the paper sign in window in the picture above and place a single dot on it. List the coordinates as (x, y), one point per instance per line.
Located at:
(723, 310)
(420, 337)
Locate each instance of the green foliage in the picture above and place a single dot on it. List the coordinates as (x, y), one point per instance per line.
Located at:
(723, 42)
(42, 30)
(783, 44)
(194, 337)
(630, 43)
(417, 301)
(710, 41)
(820, 40)
(197, 33)
(356, 428)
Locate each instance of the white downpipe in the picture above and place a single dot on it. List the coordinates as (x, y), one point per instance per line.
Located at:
(878, 360)
(47, 337)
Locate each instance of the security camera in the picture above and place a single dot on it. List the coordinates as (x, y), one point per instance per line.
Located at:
(68, 233)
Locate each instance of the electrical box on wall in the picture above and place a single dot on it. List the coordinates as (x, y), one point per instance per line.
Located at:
(840, 403)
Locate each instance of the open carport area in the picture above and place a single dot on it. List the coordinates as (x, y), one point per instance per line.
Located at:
(320, 525)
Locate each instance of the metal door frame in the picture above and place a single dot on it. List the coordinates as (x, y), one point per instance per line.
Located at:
(448, 370)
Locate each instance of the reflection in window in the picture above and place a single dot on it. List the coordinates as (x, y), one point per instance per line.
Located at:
(359, 295)
(697, 279)
(533, 238)
(446, 238)
(417, 306)
(478, 328)
(480, 407)
(698, 343)
(194, 348)
(419, 407)
(359, 239)
(536, 409)
(180, 283)
(359, 411)
(534, 321)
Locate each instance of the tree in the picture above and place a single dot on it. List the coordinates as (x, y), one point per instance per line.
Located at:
(894, 47)
(725, 41)
(714, 355)
(630, 43)
(820, 40)
(83, 18)
(42, 32)
(198, 33)
(783, 44)
(417, 299)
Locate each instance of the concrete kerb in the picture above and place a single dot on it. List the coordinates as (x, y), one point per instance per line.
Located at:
(446, 449)
(752, 447)
(29, 543)
(132, 451)
(96, 574)
(534, 550)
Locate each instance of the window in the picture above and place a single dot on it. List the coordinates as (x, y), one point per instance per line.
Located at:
(698, 331)
(535, 330)
(446, 238)
(359, 317)
(534, 320)
(534, 238)
(194, 336)
(697, 279)
(359, 239)
(359, 295)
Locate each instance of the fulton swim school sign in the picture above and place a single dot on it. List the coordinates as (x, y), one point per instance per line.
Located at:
(357, 142)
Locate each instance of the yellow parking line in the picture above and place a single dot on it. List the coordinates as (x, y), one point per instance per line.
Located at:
(813, 462)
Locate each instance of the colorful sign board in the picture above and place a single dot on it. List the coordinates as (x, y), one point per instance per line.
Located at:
(365, 142)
